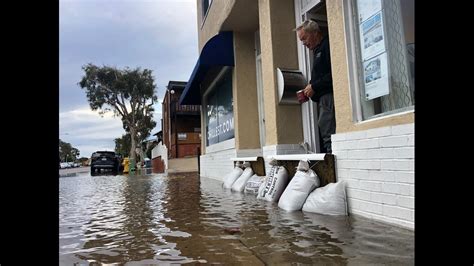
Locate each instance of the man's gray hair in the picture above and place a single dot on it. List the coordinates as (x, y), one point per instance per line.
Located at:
(309, 26)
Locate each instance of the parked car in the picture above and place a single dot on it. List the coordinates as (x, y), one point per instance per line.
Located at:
(105, 160)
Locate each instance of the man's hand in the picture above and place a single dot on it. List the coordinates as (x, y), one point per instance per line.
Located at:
(308, 91)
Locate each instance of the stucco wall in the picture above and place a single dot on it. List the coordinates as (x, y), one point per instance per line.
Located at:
(277, 20)
(218, 12)
(340, 76)
(245, 92)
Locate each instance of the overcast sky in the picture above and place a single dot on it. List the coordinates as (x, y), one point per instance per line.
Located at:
(160, 35)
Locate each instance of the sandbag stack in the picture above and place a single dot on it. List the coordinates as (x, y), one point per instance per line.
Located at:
(295, 194)
(275, 183)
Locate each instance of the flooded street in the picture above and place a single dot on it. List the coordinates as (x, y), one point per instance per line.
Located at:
(181, 218)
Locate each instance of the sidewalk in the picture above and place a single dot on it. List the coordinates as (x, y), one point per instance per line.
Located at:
(179, 165)
(70, 171)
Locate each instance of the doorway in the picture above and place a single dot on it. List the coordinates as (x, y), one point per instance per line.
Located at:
(316, 10)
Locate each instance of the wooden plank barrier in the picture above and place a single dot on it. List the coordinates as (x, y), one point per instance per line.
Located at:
(324, 165)
(257, 163)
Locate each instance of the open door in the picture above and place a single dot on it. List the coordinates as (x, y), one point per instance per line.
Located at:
(314, 9)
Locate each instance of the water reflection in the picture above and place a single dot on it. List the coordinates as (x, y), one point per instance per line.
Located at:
(181, 218)
(124, 228)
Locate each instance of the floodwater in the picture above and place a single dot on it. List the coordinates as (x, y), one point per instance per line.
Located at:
(181, 218)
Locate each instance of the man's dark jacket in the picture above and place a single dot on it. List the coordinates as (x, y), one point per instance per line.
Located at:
(321, 77)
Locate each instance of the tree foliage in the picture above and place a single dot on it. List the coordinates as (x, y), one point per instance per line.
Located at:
(67, 153)
(83, 160)
(150, 148)
(123, 144)
(128, 93)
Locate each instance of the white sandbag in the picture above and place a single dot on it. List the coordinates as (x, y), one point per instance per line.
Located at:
(274, 184)
(230, 178)
(253, 184)
(295, 194)
(330, 200)
(262, 186)
(239, 184)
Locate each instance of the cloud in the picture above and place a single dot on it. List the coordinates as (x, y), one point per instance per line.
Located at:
(157, 35)
(84, 127)
(160, 35)
(87, 131)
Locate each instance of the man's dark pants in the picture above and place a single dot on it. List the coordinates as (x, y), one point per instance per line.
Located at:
(326, 120)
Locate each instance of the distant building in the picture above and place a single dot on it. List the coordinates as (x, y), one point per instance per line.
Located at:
(181, 124)
(159, 136)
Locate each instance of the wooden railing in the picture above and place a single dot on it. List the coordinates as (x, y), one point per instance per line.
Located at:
(188, 108)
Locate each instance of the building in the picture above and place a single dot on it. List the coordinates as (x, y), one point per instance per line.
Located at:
(159, 135)
(181, 124)
(246, 45)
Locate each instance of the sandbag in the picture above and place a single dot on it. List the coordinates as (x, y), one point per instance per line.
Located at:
(239, 184)
(295, 194)
(253, 184)
(230, 178)
(330, 200)
(274, 184)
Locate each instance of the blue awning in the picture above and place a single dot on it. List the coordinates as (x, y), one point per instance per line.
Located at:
(218, 51)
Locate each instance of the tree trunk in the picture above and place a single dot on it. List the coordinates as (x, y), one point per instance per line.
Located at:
(142, 155)
(133, 138)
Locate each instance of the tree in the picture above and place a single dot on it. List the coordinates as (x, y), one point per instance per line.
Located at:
(122, 145)
(83, 160)
(129, 93)
(67, 153)
(144, 129)
(150, 148)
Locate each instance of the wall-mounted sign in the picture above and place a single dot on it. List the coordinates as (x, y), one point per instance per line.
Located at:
(372, 36)
(376, 78)
(182, 136)
(368, 8)
(373, 48)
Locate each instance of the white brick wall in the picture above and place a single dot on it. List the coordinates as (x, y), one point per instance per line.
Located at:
(217, 164)
(160, 150)
(378, 166)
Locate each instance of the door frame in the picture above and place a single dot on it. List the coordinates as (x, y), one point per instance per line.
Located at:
(309, 109)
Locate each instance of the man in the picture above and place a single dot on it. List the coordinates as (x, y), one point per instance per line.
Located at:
(320, 88)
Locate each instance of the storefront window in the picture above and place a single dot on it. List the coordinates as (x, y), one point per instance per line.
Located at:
(220, 111)
(383, 54)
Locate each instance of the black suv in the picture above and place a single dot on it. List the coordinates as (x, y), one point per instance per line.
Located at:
(105, 160)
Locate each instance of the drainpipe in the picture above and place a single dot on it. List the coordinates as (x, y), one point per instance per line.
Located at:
(176, 131)
(169, 122)
(175, 126)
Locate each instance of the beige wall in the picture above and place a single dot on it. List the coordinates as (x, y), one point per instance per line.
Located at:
(278, 43)
(218, 12)
(340, 77)
(245, 93)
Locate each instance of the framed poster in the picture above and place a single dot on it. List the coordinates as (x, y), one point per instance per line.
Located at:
(368, 8)
(376, 78)
(372, 36)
